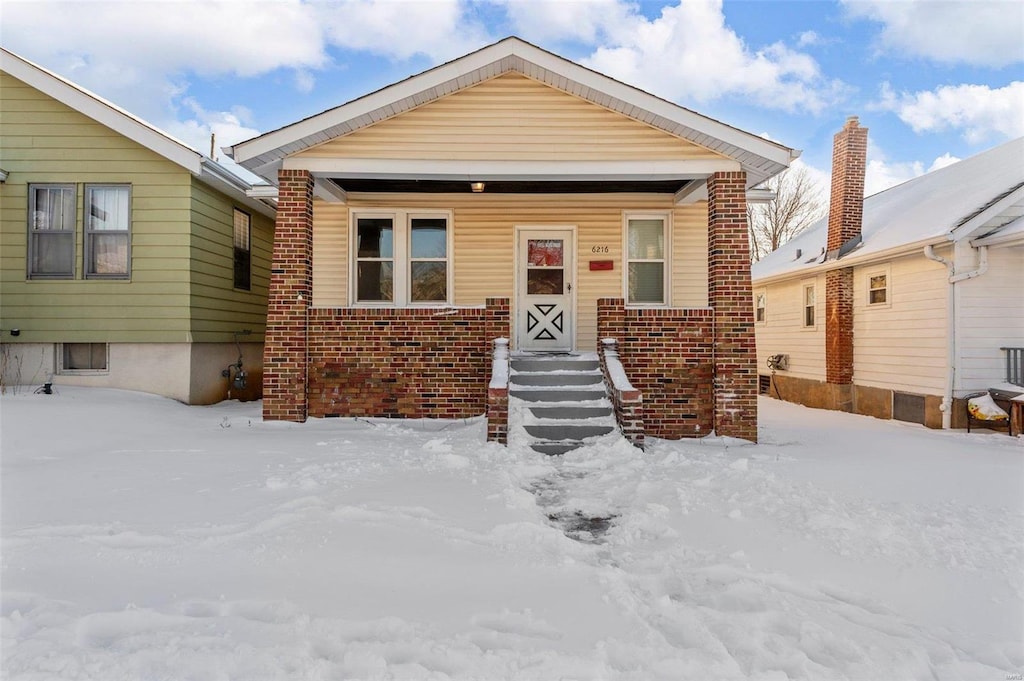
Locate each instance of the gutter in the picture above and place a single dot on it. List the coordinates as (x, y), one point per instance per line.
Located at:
(952, 330)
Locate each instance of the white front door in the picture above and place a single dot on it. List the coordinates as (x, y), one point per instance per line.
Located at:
(544, 309)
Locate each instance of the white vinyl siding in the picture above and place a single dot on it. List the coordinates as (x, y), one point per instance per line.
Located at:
(783, 331)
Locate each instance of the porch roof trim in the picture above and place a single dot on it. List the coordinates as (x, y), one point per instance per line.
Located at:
(759, 157)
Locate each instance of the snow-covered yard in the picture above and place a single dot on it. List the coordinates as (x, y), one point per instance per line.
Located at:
(143, 539)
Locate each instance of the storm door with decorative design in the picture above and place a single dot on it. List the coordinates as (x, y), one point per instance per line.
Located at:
(544, 313)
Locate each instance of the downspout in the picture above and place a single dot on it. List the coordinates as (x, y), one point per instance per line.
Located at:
(952, 331)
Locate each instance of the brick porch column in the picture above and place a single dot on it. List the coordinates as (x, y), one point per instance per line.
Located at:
(291, 285)
(730, 295)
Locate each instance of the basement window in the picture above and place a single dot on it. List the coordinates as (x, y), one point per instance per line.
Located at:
(84, 358)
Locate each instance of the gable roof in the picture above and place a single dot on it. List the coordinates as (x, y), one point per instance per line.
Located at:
(132, 127)
(759, 157)
(974, 199)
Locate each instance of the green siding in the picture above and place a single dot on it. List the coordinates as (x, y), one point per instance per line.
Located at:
(218, 308)
(181, 271)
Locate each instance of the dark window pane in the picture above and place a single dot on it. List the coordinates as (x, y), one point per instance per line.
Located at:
(646, 282)
(429, 238)
(544, 282)
(53, 208)
(85, 356)
(53, 253)
(375, 282)
(242, 269)
(429, 282)
(242, 250)
(544, 252)
(376, 237)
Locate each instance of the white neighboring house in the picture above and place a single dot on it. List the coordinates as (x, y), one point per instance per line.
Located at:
(935, 276)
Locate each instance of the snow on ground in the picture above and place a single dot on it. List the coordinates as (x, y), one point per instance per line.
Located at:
(143, 539)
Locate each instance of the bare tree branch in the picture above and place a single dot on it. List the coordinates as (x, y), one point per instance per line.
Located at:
(798, 203)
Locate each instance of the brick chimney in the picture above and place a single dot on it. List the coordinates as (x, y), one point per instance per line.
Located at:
(846, 207)
(846, 211)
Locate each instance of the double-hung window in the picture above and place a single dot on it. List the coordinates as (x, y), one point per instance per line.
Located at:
(243, 250)
(52, 215)
(402, 258)
(760, 305)
(808, 306)
(646, 249)
(878, 289)
(107, 231)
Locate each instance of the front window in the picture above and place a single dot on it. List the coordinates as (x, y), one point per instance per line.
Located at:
(402, 258)
(107, 231)
(645, 267)
(809, 305)
(52, 215)
(242, 249)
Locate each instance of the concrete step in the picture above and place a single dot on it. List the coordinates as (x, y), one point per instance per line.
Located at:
(567, 431)
(560, 364)
(556, 379)
(558, 395)
(570, 412)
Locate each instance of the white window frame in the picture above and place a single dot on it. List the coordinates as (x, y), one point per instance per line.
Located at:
(402, 255)
(878, 272)
(761, 295)
(64, 371)
(804, 286)
(88, 265)
(666, 259)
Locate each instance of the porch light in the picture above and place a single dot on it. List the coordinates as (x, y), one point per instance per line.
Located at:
(477, 187)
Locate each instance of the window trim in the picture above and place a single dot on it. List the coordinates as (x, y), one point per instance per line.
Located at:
(804, 286)
(234, 257)
(401, 257)
(876, 272)
(87, 233)
(761, 296)
(666, 259)
(62, 371)
(30, 241)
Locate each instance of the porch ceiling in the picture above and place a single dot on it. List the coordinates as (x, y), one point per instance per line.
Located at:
(350, 184)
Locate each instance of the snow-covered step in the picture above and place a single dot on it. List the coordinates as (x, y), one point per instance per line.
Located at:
(560, 364)
(567, 431)
(552, 379)
(561, 413)
(556, 396)
(555, 448)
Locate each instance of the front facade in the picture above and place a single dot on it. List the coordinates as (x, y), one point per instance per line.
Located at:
(923, 308)
(508, 194)
(128, 259)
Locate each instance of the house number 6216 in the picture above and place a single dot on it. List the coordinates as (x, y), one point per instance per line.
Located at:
(599, 249)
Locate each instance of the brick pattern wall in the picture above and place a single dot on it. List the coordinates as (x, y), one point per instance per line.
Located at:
(284, 351)
(846, 205)
(839, 326)
(409, 362)
(628, 404)
(668, 355)
(731, 298)
(497, 392)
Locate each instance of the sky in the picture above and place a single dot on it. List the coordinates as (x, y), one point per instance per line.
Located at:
(934, 81)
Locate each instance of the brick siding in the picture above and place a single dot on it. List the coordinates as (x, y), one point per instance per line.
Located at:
(668, 356)
(730, 296)
(291, 279)
(839, 326)
(407, 362)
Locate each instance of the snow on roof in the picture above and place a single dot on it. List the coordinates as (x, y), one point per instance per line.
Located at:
(928, 208)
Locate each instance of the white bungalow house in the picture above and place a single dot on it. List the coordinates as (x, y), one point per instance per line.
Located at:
(904, 310)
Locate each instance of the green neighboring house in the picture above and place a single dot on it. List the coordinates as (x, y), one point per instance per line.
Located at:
(127, 259)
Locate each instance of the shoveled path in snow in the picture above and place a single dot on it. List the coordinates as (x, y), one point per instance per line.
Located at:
(142, 539)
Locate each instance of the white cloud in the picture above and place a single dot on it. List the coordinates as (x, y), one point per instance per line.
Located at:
(686, 54)
(809, 38)
(978, 111)
(882, 173)
(946, 159)
(229, 127)
(982, 32)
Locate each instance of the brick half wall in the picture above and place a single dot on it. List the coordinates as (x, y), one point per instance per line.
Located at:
(410, 363)
(668, 355)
